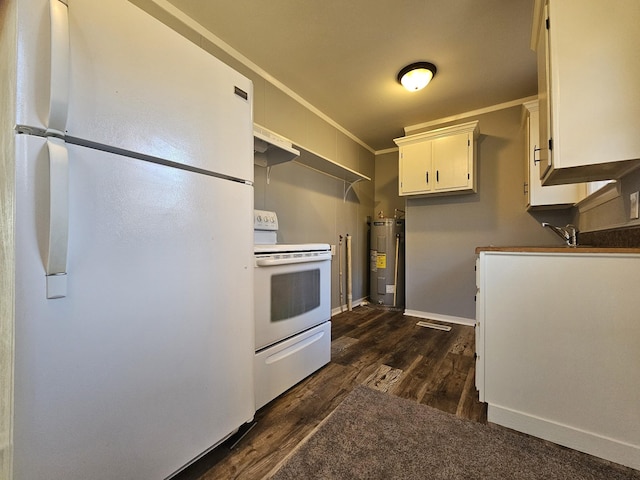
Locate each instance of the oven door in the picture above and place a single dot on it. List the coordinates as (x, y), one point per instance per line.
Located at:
(291, 295)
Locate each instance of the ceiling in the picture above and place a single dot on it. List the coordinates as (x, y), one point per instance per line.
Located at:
(342, 56)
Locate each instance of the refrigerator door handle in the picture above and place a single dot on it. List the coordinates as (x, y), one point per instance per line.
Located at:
(56, 268)
(59, 87)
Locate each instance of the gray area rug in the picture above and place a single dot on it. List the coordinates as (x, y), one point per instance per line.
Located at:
(375, 435)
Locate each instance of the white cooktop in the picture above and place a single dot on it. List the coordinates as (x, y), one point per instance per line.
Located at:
(265, 229)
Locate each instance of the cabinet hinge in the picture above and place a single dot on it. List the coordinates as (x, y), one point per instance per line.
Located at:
(551, 144)
(468, 176)
(547, 23)
(468, 142)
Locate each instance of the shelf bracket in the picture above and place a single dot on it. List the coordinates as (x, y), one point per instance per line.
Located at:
(350, 187)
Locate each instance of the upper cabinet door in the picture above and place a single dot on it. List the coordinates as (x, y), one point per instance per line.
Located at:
(136, 85)
(437, 162)
(589, 49)
(453, 161)
(539, 196)
(415, 168)
(544, 98)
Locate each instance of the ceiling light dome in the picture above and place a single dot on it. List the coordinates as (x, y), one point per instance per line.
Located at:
(416, 76)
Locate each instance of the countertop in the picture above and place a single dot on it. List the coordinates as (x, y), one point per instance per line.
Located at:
(558, 249)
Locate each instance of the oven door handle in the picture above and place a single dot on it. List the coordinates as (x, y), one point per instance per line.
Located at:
(272, 262)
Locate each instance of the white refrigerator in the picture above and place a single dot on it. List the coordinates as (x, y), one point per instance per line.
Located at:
(132, 216)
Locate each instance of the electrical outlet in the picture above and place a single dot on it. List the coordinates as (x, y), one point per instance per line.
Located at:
(333, 249)
(633, 205)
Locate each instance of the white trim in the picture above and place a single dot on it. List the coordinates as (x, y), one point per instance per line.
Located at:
(387, 150)
(343, 308)
(473, 113)
(469, 127)
(443, 318)
(601, 196)
(568, 436)
(613, 226)
(606, 194)
(232, 52)
(538, 15)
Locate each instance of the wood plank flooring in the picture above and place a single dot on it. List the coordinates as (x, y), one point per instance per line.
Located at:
(381, 348)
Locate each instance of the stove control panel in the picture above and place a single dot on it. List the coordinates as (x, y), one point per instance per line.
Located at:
(265, 220)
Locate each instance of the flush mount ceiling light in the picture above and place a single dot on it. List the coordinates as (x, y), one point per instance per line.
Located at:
(416, 76)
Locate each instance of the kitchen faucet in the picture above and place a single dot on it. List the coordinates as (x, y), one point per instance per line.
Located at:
(569, 233)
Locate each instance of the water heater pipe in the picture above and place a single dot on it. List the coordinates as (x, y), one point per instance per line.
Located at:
(340, 273)
(349, 289)
(395, 273)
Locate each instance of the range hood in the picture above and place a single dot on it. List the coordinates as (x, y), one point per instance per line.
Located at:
(269, 148)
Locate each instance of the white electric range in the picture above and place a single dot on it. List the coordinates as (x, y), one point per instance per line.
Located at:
(292, 309)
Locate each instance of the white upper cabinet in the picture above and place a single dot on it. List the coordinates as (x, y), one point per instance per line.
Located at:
(588, 77)
(441, 161)
(539, 196)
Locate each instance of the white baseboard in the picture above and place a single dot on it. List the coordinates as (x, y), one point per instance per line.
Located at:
(343, 308)
(583, 441)
(440, 317)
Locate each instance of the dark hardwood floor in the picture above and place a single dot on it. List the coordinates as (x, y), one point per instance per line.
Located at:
(378, 347)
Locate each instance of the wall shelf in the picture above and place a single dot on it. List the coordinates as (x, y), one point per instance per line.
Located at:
(329, 167)
(271, 149)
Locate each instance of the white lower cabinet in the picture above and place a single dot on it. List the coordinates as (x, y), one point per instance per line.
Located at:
(559, 348)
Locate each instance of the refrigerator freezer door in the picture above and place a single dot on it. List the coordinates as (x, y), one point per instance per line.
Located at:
(136, 85)
(147, 362)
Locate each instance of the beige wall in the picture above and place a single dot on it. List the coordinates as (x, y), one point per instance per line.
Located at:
(443, 232)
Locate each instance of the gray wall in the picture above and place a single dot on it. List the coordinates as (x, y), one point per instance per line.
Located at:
(443, 232)
(311, 205)
(386, 187)
(311, 209)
